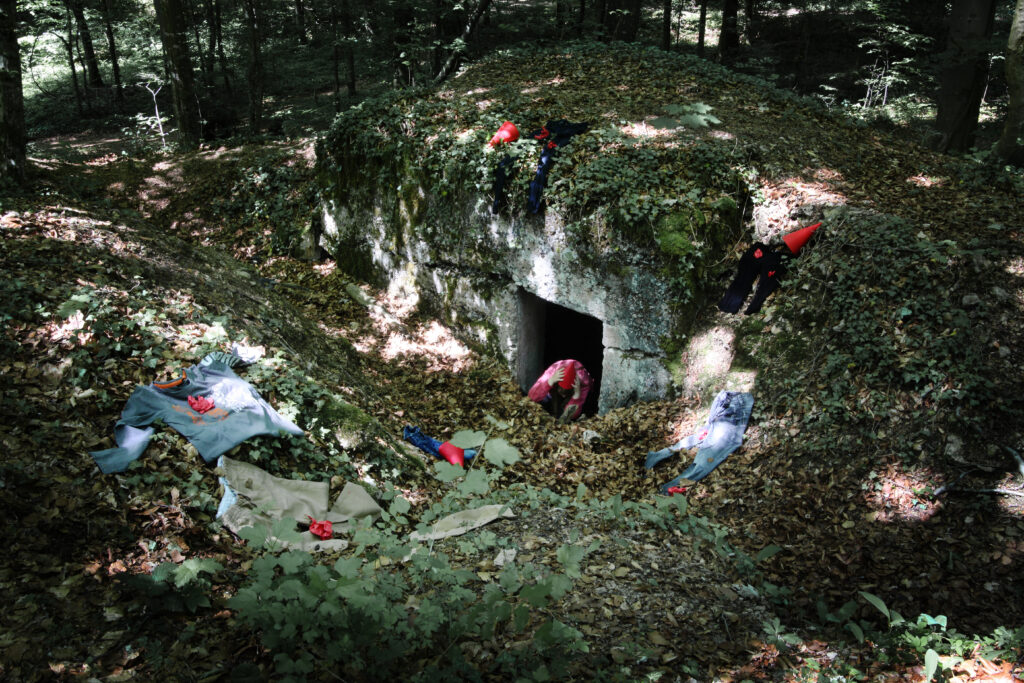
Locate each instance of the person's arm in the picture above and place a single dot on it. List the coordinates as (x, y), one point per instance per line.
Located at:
(574, 406)
(542, 387)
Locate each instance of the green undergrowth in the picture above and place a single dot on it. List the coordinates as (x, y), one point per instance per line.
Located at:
(884, 337)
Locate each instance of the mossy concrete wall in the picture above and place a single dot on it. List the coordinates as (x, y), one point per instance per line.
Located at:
(471, 271)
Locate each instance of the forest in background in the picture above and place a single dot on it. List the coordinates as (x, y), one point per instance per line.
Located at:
(94, 306)
(206, 69)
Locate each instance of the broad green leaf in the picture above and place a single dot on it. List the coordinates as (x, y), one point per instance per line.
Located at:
(664, 122)
(536, 595)
(500, 452)
(570, 557)
(931, 663)
(876, 601)
(476, 483)
(400, 506)
(447, 472)
(767, 552)
(498, 424)
(468, 438)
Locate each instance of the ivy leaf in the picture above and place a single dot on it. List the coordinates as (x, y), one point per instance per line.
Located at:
(570, 556)
(476, 483)
(664, 122)
(189, 570)
(447, 472)
(500, 452)
(467, 438)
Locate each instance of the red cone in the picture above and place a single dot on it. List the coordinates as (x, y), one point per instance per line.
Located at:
(507, 133)
(452, 453)
(568, 377)
(798, 238)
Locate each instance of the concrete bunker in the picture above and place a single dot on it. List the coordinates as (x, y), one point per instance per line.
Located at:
(549, 332)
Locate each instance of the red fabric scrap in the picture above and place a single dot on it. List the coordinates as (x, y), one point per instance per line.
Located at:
(322, 529)
(452, 453)
(672, 490)
(200, 404)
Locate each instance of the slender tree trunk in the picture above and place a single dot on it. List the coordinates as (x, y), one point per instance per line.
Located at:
(211, 33)
(582, 18)
(205, 68)
(174, 34)
(300, 22)
(1009, 147)
(12, 103)
(403, 16)
(69, 45)
(702, 27)
(349, 53)
(92, 68)
(962, 78)
(108, 28)
(666, 25)
(254, 72)
(729, 38)
(753, 20)
(453, 59)
(221, 58)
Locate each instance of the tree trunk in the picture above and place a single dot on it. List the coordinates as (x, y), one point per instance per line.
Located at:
(348, 25)
(453, 59)
(702, 27)
(1009, 147)
(666, 25)
(108, 28)
(205, 67)
(963, 71)
(92, 68)
(69, 45)
(221, 58)
(729, 39)
(254, 70)
(174, 35)
(300, 22)
(403, 17)
(753, 20)
(211, 32)
(12, 103)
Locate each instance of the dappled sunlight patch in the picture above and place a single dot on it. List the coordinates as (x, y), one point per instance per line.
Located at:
(708, 357)
(643, 129)
(433, 342)
(899, 495)
(927, 181)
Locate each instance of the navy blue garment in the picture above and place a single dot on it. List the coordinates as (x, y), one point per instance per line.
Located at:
(501, 176)
(762, 263)
(721, 435)
(553, 135)
(428, 445)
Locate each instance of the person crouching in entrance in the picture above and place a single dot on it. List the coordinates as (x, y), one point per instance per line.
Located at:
(562, 389)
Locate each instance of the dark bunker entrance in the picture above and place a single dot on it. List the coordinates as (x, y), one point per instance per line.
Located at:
(548, 333)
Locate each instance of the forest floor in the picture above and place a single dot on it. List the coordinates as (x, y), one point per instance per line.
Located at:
(75, 531)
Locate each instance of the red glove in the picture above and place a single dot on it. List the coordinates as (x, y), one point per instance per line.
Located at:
(322, 529)
(200, 404)
(452, 453)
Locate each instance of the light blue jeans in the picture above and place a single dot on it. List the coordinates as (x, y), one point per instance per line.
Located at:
(721, 435)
